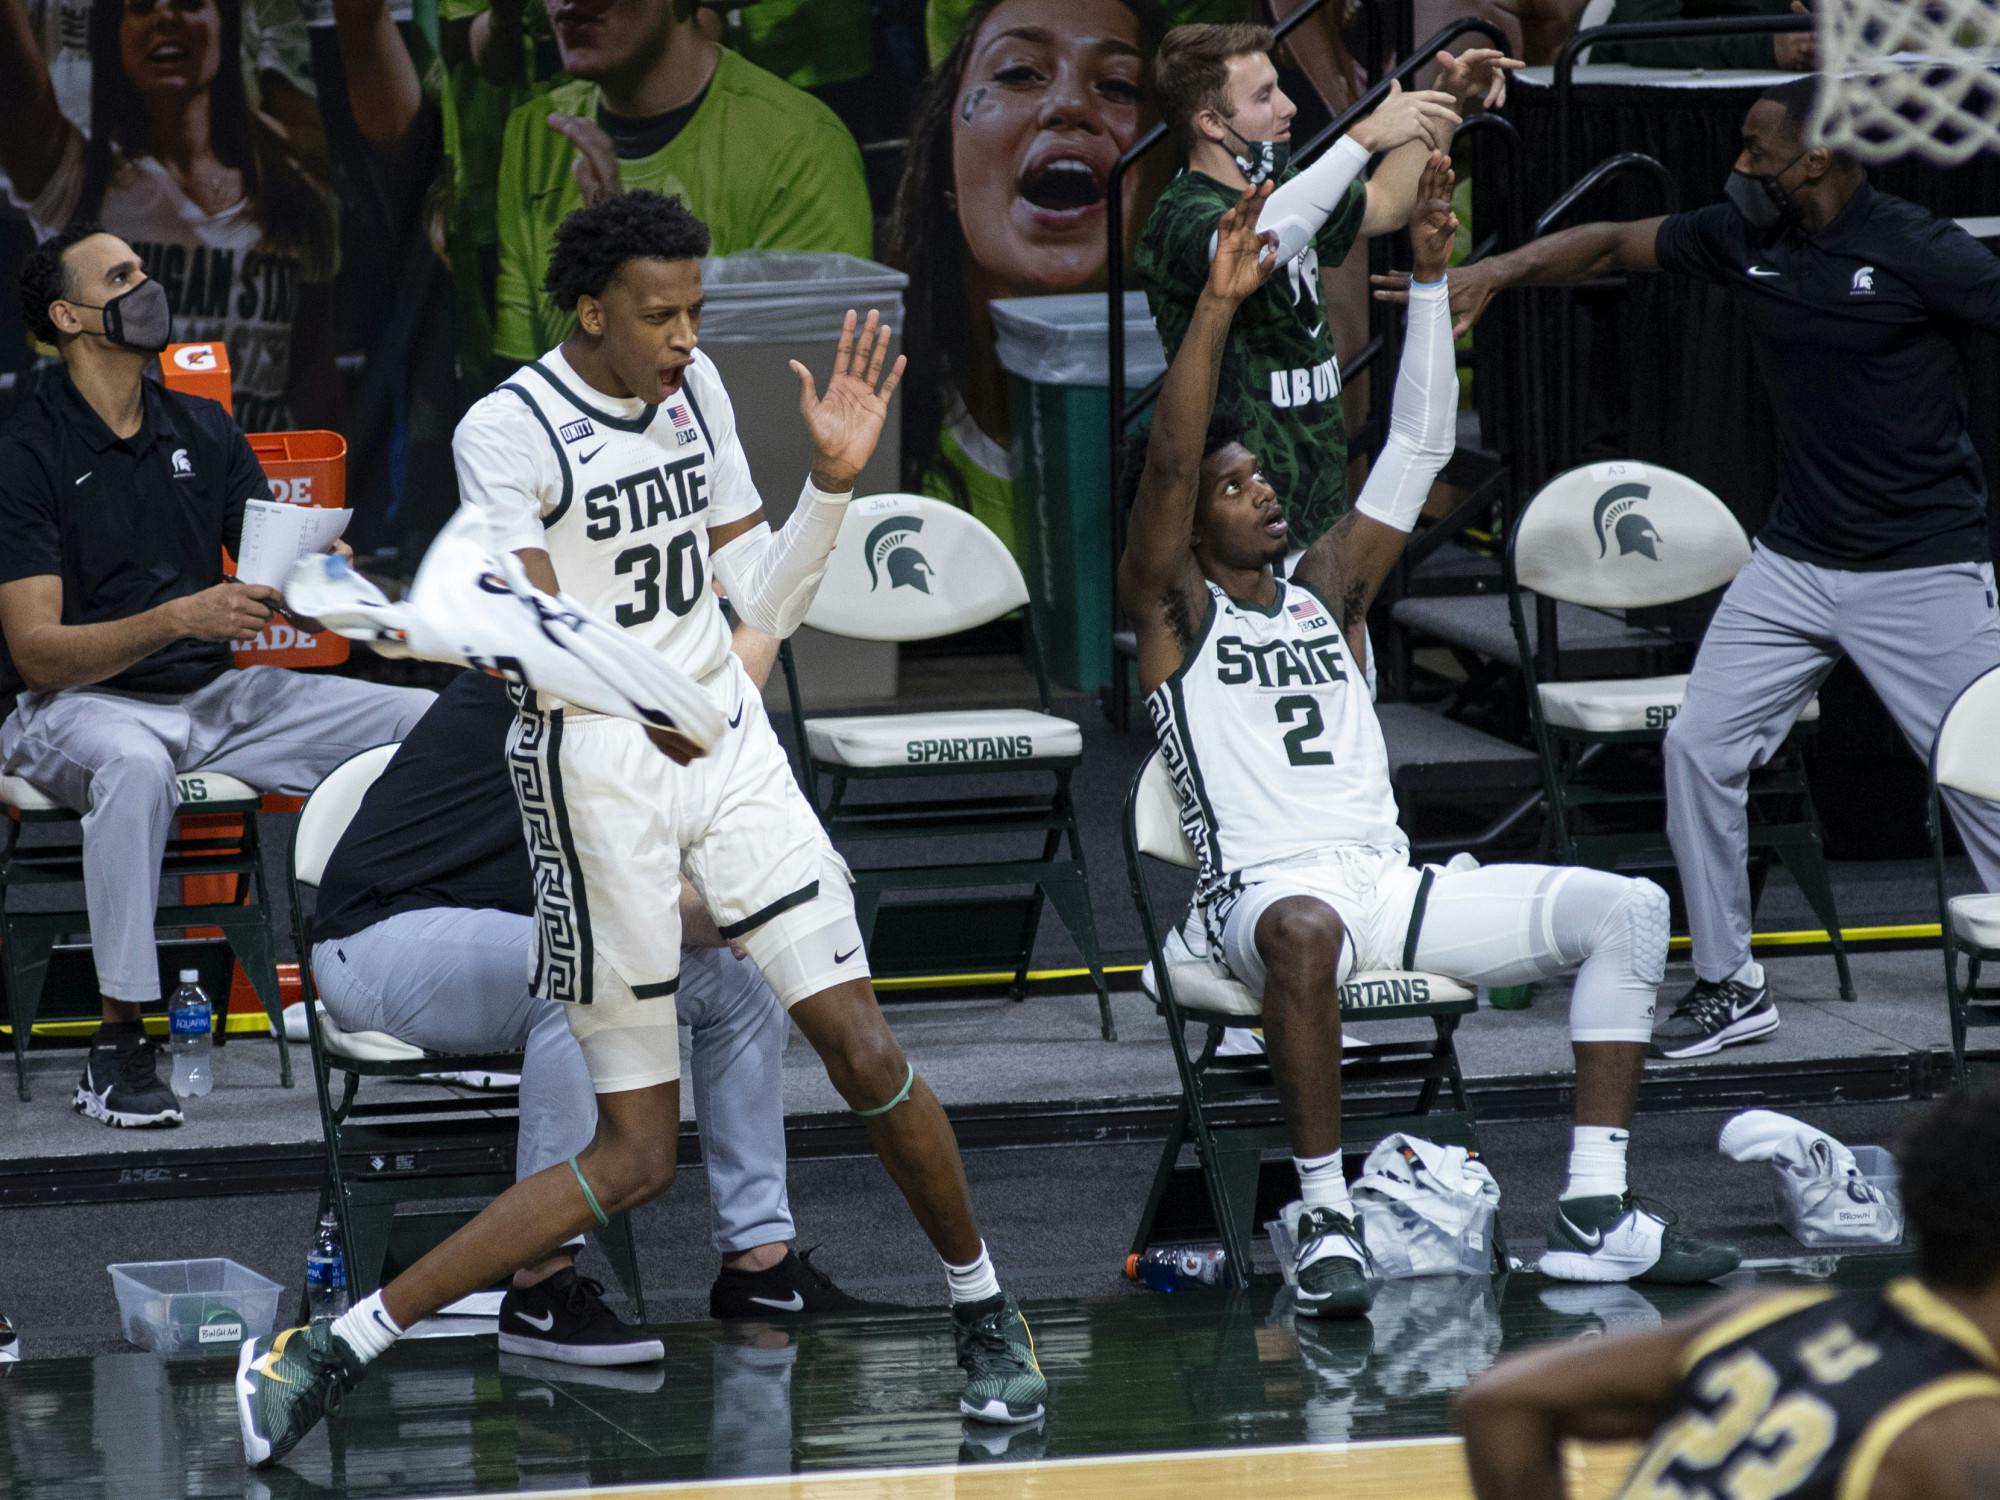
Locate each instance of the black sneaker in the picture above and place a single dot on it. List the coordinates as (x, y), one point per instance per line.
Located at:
(121, 1086)
(1712, 1016)
(10, 1344)
(564, 1318)
(793, 1287)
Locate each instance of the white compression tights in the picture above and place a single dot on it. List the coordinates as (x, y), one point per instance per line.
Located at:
(1515, 924)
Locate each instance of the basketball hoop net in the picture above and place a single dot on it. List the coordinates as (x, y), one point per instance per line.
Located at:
(1904, 77)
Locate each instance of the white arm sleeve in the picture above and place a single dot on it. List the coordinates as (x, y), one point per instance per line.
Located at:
(509, 475)
(1423, 425)
(771, 578)
(1299, 209)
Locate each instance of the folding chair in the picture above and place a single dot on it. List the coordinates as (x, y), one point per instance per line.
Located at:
(1623, 536)
(27, 938)
(910, 568)
(382, 1154)
(1225, 1108)
(1963, 760)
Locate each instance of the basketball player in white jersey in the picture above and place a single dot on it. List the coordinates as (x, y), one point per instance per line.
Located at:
(612, 467)
(1255, 687)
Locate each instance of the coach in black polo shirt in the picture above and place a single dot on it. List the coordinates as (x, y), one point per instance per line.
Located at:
(1877, 547)
(116, 499)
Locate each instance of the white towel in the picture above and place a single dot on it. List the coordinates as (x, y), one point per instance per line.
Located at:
(1766, 1135)
(1819, 1187)
(1422, 1205)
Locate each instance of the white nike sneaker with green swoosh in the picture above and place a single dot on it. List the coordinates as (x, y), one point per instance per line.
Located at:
(1623, 1238)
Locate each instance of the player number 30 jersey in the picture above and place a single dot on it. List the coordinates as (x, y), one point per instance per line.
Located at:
(619, 493)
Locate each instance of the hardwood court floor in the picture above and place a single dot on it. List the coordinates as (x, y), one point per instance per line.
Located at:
(1202, 1395)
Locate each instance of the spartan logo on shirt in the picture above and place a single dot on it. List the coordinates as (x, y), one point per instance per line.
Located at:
(1617, 516)
(1864, 283)
(891, 549)
(183, 465)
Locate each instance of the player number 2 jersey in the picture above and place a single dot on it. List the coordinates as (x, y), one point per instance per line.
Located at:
(1271, 738)
(1800, 1396)
(619, 493)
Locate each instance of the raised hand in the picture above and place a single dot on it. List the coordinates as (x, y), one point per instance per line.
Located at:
(596, 164)
(1243, 257)
(1472, 287)
(1476, 77)
(1427, 115)
(1433, 226)
(846, 422)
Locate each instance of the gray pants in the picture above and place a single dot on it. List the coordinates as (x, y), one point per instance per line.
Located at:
(113, 757)
(450, 979)
(1919, 636)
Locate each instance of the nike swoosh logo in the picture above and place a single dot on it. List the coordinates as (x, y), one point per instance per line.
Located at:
(739, 717)
(794, 1303)
(86, 475)
(840, 958)
(1317, 330)
(1592, 1241)
(545, 1322)
(268, 1365)
(584, 458)
(1760, 271)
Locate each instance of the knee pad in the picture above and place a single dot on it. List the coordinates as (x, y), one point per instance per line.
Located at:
(812, 947)
(1620, 925)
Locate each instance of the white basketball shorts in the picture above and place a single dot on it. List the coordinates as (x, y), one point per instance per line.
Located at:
(1375, 892)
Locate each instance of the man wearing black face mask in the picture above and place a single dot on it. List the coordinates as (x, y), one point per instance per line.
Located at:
(117, 497)
(1878, 544)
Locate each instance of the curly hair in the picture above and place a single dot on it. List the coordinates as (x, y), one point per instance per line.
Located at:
(44, 279)
(593, 243)
(1224, 427)
(1954, 1208)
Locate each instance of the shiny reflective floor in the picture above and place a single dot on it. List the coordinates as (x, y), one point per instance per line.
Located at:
(1196, 1394)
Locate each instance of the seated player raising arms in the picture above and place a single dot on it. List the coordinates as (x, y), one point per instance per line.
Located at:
(1255, 688)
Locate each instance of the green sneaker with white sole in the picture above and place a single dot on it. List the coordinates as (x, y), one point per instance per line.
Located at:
(1625, 1238)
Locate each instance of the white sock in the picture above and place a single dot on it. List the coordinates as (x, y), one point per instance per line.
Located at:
(1752, 974)
(974, 1283)
(1596, 1162)
(1322, 1184)
(367, 1328)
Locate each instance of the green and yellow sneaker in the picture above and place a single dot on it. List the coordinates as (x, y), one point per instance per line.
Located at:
(1629, 1239)
(1330, 1263)
(1003, 1383)
(286, 1384)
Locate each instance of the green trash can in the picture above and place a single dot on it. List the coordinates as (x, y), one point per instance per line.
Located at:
(1057, 354)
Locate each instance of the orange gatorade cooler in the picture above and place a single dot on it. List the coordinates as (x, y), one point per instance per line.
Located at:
(198, 370)
(305, 468)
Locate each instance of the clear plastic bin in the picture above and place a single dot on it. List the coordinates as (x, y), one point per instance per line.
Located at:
(193, 1307)
(1869, 1225)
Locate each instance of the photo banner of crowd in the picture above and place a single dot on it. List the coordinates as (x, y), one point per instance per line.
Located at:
(356, 197)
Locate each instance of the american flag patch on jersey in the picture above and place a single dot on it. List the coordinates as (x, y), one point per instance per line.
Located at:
(679, 415)
(1305, 609)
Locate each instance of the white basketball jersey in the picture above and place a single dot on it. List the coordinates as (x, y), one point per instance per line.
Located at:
(1272, 740)
(619, 493)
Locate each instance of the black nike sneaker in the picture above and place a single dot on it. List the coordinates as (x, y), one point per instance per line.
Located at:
(794, 1287)
(564, 1318)
(1712, 1016)
(121, 1086)
(1003, 1379)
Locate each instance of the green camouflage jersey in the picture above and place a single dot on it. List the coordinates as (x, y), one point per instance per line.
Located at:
(1279, 371)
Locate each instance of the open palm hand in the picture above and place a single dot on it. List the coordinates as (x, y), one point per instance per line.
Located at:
(1243, 256)
(846, 420)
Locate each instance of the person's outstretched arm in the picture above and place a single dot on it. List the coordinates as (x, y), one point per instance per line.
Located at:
(1565, 258)
(1347, 565)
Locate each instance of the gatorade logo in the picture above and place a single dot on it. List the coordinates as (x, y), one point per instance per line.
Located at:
(296, 491)
(279, 636)
(195, 357)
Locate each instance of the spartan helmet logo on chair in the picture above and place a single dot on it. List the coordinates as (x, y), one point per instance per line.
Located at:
(892, 549)
(1617, 516)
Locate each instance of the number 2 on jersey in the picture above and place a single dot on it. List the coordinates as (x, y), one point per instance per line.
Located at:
(1303, 710)
(683, 578)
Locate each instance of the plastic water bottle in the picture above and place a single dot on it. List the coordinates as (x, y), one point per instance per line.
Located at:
(1175, 1268)
(326, 1273)
(191, 1035)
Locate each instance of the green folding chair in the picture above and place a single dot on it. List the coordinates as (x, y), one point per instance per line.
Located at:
(384, 1153)
(910, 568)
(28, 937)
(1627, 536)
(1963, 760)
(1409, 1084)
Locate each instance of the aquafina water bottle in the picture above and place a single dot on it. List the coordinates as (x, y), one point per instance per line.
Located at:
(191, 1037)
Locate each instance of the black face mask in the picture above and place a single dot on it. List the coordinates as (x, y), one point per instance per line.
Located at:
(1261, 161)
(139, 319)
(1762, 200)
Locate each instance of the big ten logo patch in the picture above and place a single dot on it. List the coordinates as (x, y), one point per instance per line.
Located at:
(295, 491)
